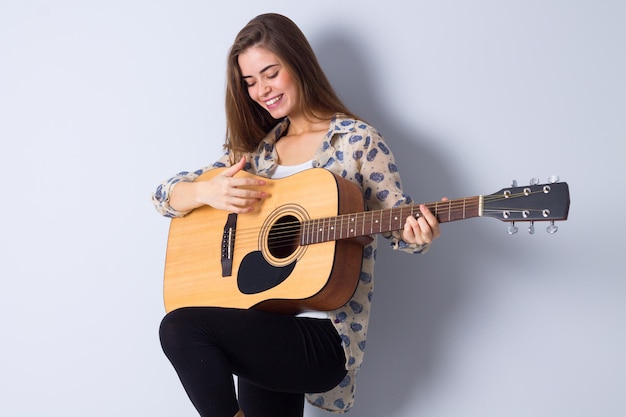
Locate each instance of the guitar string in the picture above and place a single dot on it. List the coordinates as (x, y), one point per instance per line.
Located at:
(294, 227)
(291, 230)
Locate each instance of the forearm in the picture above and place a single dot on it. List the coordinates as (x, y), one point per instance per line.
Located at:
(183, 197)
(162, 196)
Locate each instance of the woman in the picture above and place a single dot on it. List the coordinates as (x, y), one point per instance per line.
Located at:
(282, 117)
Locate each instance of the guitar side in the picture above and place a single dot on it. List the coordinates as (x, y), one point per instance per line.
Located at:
(314, 281)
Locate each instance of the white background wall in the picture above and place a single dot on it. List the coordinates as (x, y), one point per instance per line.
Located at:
(101, 100)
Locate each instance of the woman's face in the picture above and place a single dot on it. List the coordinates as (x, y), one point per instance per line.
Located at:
(269, 82)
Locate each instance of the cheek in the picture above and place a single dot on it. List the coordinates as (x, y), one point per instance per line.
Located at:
(288, 83)
(252, 93)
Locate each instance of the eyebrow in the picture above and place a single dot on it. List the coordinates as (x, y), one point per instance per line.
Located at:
(262, 71)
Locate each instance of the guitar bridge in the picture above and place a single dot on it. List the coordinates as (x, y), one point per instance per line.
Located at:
(228, 244)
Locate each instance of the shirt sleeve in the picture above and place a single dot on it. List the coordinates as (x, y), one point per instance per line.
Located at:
(382, 186)
(161, 196)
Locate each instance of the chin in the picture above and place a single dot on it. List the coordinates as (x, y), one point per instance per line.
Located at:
(277, 114)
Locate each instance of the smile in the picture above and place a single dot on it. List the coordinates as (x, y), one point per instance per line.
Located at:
(274, 100)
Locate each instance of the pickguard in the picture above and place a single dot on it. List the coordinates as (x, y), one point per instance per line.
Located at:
(256, 275)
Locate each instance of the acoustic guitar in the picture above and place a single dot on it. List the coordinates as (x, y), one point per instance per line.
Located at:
(301, 249)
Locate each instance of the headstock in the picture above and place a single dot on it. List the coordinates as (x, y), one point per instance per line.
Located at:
(532, 203)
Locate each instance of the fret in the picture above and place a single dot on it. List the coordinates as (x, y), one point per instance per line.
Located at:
(351, 225)
(317, 231)
(341, 228)
(397, 225)
(326, 229)
(464, 202)
(363, 223)
(379, 221)
(304, 236)
(311, 229)
(305, 233)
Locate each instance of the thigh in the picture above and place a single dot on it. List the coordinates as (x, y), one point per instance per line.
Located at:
(256, 401)
(274, 351)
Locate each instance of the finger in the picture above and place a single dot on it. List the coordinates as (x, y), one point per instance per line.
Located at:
(413, 232)
(424, 232)
(240, 204)
(410, 226)
(427, 215)
(246, 182)
(234, 182)
(233, 169)
(241, 182)
(238, 209)
(429, 222)
(246, 195)
(429, 230)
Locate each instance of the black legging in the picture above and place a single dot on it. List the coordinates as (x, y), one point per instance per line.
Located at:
(276, 357)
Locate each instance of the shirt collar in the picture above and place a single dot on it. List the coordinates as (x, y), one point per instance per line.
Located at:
(268, 158)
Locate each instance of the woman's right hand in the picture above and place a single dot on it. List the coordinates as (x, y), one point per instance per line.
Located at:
(224, 192)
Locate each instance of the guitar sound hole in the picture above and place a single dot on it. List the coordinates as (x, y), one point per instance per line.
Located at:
(284, 237)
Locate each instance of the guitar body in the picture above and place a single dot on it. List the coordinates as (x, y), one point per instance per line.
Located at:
(219, 259)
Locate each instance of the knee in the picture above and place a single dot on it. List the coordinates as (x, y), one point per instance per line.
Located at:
(174, 330)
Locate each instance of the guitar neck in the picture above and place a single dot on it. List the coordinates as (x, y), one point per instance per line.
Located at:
(353, 225)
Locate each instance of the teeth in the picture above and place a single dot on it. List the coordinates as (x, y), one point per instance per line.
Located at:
(274, 100)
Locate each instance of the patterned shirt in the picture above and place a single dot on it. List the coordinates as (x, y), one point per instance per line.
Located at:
(355, 151)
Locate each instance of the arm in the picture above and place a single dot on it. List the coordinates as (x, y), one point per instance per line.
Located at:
(162, 195)
(383, 189)
(180, 194)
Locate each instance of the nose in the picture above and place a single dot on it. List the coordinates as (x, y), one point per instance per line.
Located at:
(264, 88)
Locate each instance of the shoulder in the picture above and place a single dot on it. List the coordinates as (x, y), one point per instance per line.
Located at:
(354, 132)
(343, 123)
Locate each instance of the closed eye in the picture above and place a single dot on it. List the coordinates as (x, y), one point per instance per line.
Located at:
(249, 80)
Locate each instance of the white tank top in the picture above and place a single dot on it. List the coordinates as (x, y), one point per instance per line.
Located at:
(282, 171)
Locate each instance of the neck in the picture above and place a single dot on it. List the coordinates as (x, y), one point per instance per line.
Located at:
(301, 124)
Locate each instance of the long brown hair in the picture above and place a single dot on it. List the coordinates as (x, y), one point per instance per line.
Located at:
(247, 122)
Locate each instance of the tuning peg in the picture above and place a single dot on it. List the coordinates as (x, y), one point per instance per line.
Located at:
(553, 179)
(552, 228)
(531, 228)
(514, 183)
(534, 181)
(512, 229)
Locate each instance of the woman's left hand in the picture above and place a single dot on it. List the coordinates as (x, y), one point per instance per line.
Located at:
(422, 230)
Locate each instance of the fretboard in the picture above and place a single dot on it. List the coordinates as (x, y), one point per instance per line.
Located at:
(353, 225)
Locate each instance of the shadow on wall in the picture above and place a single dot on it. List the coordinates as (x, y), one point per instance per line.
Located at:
(416, 297)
